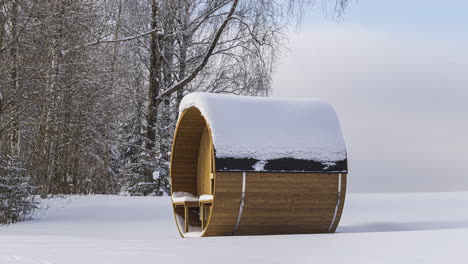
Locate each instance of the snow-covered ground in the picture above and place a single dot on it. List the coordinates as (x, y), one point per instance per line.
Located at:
(375, 228)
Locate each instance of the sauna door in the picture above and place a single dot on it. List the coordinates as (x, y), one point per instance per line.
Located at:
(205, 164)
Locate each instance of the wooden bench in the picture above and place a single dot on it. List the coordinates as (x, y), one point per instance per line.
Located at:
(203, 204)
(187, 205)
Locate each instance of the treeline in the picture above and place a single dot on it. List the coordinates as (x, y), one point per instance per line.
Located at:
(89, 89)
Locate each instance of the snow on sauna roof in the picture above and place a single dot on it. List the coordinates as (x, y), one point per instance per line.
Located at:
(271, 134)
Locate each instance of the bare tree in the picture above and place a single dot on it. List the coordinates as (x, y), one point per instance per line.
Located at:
(220, 46)
(90, 89)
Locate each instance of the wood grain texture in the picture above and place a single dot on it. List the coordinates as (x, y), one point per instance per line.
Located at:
(185, 149)
(344, 178)
(204, 163)
(226, 202)
(276, 203)
(288, 203)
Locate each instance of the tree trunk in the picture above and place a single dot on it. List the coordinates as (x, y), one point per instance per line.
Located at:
(2, 26)
(182, 69)
(168, 52)
(15, 132)
(51, 103)
(183, 50)
(111, 94)
(2, 34)
(154, 88)
(154, 79)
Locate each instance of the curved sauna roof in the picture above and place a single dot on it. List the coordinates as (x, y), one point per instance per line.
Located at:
(271, 134)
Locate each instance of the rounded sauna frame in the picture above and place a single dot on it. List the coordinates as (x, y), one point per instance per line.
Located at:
(246, 201)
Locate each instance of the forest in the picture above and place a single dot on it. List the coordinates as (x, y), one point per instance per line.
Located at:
(90, 89)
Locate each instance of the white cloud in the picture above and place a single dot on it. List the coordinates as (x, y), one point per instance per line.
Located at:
(402, 101)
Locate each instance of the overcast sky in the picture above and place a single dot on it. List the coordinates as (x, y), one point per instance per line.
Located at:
(396, 73)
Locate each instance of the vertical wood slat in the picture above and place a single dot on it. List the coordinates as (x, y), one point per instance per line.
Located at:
(186, 218)
(202, 216)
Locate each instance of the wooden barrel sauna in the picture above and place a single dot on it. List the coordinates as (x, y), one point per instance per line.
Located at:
(257, 166)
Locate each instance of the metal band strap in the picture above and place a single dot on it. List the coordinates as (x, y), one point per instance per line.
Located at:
(242, 202)
(337, 206)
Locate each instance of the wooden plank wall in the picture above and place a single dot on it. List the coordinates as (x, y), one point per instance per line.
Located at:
(276, 203)
(227, 195)
(185, 150)
(288, 203)
(204, 163)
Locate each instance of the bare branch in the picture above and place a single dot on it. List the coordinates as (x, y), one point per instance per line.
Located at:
(203, 63)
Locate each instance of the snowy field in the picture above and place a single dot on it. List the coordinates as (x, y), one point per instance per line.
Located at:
(375, 228)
